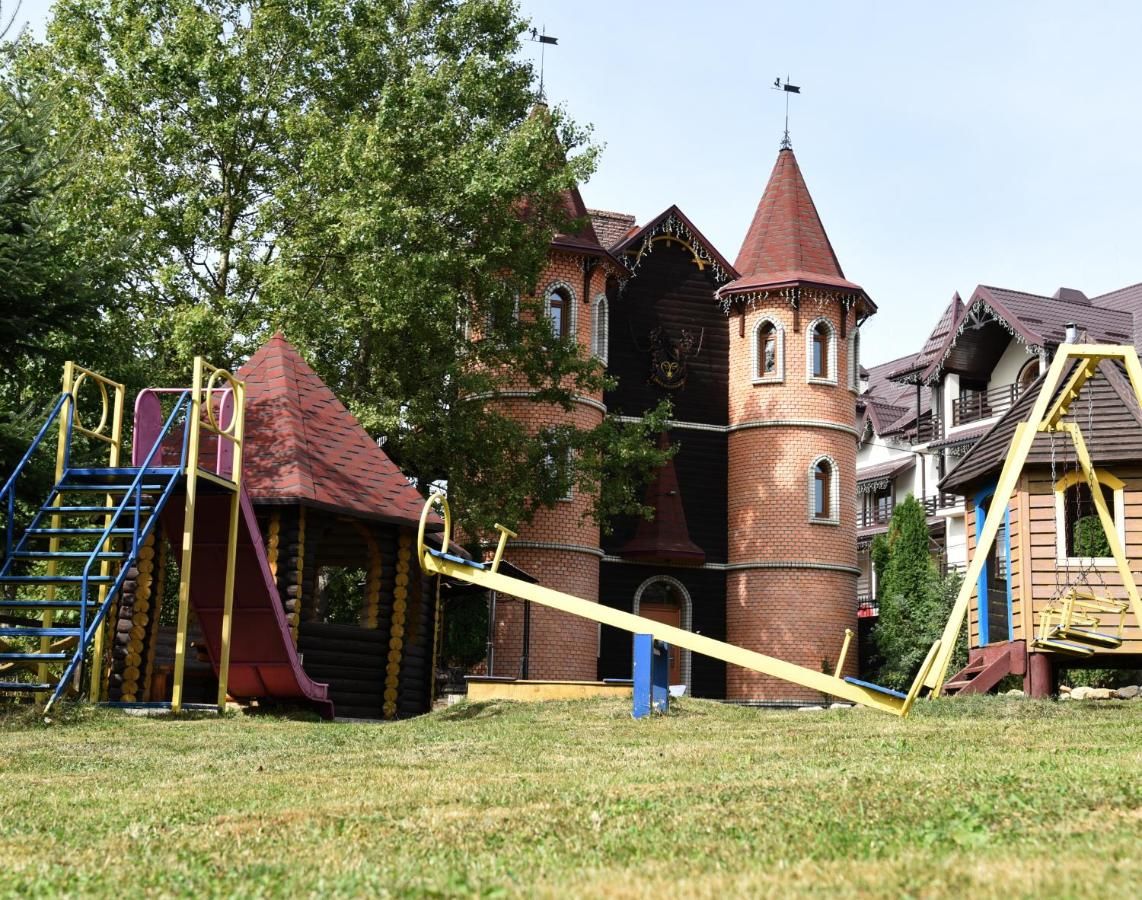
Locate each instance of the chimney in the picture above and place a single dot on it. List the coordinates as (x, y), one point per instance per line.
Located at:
(1072, 333)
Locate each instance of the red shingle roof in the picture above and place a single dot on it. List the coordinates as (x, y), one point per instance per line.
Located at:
(304, 446)
(786, 243)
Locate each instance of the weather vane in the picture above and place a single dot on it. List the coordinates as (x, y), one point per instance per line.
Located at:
(788, 88)
(542, 39)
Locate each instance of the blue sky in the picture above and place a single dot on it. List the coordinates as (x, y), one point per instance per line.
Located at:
(945, 145)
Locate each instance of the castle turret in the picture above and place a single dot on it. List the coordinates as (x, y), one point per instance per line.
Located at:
(794, 317)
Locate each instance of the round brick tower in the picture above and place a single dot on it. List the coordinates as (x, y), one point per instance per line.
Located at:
(792, 579)
(560, 546)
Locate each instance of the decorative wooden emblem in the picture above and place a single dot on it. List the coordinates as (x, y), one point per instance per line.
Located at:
(668, 357)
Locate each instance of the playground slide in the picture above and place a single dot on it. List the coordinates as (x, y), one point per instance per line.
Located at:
(263, 661)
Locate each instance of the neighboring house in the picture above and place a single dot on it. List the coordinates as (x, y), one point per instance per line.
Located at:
(981, 357)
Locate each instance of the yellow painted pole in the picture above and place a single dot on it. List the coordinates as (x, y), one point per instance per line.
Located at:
(113, 459)
(844, 653)
(194, 415)
(238, 423)
(48, 616)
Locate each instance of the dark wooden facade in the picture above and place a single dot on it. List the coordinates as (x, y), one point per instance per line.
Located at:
(670, 303)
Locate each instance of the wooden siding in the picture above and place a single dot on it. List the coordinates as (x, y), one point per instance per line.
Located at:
(1033, 535)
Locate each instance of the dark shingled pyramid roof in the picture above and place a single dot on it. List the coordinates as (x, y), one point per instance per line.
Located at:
(303, 446)
(665, 538)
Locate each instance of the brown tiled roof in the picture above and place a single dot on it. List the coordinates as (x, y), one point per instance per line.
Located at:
(1128, 300)
(1042, 320)
(304, 446)
(942, 335)
(611, 227)
(786, 242)
(888, 469)
(1105, 410)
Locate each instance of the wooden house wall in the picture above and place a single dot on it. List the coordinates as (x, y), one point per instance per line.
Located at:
(618, 583)
(1035, 570)
(669, 291)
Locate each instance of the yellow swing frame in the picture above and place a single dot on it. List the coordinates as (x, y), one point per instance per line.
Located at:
(1046, 417)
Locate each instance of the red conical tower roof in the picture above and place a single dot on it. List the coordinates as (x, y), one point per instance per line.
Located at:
(786, 243)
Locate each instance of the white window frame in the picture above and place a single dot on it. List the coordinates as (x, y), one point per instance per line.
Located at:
(571, 310)
(834, 517)
(600, 328)
(830, 376)
(854, 360)
(687, 618)
(1060, 487)
(778, 374)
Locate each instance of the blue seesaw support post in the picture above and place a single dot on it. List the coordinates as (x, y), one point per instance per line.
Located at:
(651, 673)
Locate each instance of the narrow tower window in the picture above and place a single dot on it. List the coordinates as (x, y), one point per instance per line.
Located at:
(767, 351)
(559, 312)
(823, 491)
(821, 351)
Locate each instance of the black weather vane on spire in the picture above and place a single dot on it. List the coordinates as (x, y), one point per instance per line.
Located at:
(788, 89)
(538, 37)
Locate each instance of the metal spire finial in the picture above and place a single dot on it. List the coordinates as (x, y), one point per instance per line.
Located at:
(788, 89)
(542, 39)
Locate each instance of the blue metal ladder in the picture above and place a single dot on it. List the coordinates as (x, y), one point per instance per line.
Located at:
(63, 573)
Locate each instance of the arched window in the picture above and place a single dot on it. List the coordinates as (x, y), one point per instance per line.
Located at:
(1079, 535)
(768, 351)
(600, 324)
(1027, 374)
(820, 351)
(559, 312)
(665, 599)
(824, 499)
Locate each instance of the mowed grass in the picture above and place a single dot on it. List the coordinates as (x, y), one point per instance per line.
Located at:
(988, 797)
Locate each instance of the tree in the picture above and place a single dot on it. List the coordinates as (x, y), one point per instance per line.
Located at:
(915, 601)
(367, 175)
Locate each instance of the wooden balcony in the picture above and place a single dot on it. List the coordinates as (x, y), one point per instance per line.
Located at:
(973, 406)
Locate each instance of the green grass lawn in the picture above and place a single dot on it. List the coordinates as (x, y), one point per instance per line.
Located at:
(986, 797)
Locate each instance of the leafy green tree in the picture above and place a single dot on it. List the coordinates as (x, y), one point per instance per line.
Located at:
(915, 601)
(371, 176)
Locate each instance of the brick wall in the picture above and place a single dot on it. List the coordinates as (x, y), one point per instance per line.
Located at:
(795, 613)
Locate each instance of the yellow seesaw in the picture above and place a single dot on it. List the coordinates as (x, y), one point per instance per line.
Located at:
(486, 575)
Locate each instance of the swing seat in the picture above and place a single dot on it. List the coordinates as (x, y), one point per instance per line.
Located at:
(1066, 647)
(1084, 636)
(876, 687)
(452, 557)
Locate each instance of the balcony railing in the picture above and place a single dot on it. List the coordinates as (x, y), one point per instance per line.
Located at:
(881, 512)
(973, 406)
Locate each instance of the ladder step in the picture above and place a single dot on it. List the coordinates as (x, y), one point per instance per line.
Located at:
(59, 532)
(39, 632)
(67, 554)
(25, 686)
(55, 579)
(955, 685)
(34, 656)
(147, 488)
(65, 510)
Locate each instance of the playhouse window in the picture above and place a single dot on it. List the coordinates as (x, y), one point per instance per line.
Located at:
(1079, 531)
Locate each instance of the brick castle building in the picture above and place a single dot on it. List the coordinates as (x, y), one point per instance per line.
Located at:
(754, 537)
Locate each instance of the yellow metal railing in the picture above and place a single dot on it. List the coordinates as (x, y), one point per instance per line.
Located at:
(108, 430)
(211, 392)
